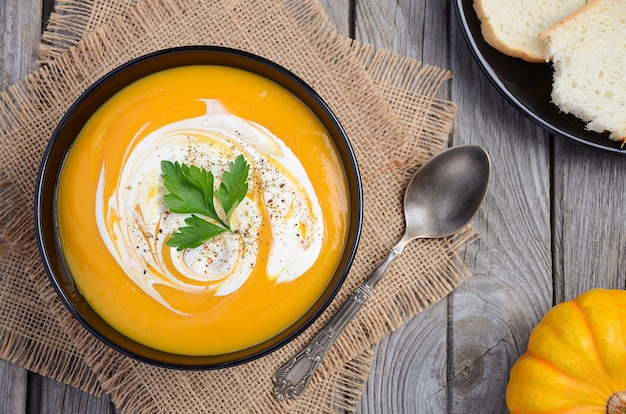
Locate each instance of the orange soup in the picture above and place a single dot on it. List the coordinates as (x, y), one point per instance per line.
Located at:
(236, 289)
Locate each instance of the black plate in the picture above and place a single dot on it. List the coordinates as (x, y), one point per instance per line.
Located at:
(527, 85)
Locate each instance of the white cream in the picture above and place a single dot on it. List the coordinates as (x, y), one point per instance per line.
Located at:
(135, 224)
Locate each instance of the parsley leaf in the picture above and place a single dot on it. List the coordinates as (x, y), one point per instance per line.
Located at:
(196, 232)
(234, 187)
(191, 192)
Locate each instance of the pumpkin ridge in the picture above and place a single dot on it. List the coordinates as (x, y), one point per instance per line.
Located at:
(596, 346)
(580, 382)
(599, 392)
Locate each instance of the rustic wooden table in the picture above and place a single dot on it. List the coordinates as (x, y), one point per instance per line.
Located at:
(552, 226)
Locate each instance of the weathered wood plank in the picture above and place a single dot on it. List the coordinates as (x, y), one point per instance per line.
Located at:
(409, 370)
(590, 230)
(339, 12)
(46, 395)
(13, 388)
(21, 30)
(49, 396)
(20, 21)
(484, 321)
(492, 314)
(409, 28)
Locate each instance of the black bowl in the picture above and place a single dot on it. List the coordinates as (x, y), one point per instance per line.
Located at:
(70, 126)
(527, 86)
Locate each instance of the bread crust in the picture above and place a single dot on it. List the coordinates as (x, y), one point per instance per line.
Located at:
(572, 16)
(493, 38)
(514, 27)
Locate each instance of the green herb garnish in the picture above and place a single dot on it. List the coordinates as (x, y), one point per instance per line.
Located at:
(191, 192)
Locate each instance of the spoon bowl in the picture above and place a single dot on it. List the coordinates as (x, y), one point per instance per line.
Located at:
(446, 192)
(441, 198)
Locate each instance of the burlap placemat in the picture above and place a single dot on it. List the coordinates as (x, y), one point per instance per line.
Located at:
(385, 102)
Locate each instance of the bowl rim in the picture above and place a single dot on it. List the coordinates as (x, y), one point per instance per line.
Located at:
(177, 361)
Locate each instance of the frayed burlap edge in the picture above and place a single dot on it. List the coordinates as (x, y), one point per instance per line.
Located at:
(71, 20)
(437, 123)
(48, 361)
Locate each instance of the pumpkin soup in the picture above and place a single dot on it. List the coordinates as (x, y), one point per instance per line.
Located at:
(240, 287)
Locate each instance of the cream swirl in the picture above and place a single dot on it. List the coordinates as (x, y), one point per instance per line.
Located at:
(135, 224)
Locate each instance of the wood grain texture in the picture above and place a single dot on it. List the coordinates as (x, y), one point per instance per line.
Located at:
(409, 370)
(590, 230)
(482, 324)
(416, 29)
(20, 23)
(493, 313)
(340, 14)
(13, 388)
(19, 40)
(49, 396)
(409, 374)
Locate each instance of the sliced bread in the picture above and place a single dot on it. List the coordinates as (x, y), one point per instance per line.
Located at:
(513, 26)
(588, 51)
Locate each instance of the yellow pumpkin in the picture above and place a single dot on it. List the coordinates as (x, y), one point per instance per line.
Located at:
(576, 359)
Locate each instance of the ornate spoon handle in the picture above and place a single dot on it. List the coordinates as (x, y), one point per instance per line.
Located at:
(291, 379)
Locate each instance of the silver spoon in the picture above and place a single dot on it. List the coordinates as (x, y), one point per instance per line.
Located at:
(441, 198)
